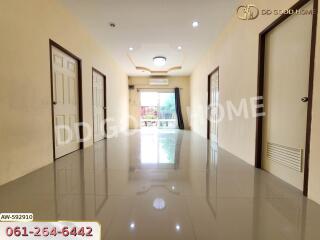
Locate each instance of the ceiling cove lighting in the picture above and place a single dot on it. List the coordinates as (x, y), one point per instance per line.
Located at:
(159, 61)
(195, 24)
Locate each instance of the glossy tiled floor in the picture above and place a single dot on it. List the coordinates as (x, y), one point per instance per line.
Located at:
(165, 185)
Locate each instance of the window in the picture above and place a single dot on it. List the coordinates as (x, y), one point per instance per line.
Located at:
(157, 109)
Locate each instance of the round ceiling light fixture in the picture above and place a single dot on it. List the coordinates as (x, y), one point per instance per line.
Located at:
(159, 204)
(131, 49)
(159, 61)
(179, 48)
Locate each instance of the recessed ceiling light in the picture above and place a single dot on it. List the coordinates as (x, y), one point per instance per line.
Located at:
(159, 61)
(195, 24)
(112, 24)
(179, 48)
(131, 49)
(178, 227)
(132, 225)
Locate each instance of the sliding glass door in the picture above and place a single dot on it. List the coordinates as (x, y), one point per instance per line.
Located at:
(167, 110)
(149, 109)
(157, 109)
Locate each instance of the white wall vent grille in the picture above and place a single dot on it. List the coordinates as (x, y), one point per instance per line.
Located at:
(287, 156)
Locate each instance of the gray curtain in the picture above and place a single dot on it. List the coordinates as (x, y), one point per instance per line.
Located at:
(178, 108)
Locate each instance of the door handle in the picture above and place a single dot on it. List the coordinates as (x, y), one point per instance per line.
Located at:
(304, 99)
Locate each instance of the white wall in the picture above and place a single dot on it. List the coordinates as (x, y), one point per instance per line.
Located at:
(236, 53)
(25, 98)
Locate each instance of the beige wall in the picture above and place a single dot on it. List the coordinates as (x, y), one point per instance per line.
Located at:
(236, 53)
(25, 100)
(143, 82)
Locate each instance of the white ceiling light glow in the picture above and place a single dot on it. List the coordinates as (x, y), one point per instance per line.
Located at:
(159, 204)
(195, 24)
(179, 48)
(130, 49)
(178, 227)
(132, 225)
(159, 61)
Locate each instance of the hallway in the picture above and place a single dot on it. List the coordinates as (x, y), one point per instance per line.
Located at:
(168, 119)
(181, 191)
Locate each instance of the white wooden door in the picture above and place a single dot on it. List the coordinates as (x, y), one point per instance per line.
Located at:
(98, 106)
(287, 62)
(65, 102)
(214, 106)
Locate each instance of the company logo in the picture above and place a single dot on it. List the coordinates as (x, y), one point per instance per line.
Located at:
(247, 12)
(251, 12)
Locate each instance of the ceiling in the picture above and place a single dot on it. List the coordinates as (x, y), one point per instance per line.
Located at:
(154, 28)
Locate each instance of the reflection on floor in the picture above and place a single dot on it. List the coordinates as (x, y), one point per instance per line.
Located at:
(165, 184)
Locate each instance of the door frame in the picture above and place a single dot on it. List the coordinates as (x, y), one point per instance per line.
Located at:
(217, 69)
(80, 103)
(104, 102)
(260, 88)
